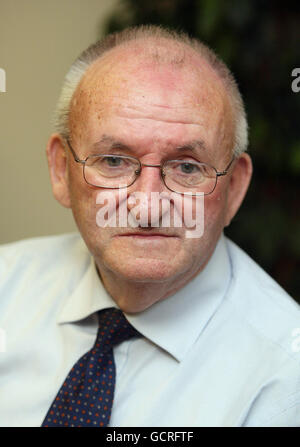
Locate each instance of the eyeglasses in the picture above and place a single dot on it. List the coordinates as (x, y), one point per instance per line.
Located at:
(121, 171)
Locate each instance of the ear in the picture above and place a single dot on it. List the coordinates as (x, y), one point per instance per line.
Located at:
(238, 185)
(57, 163)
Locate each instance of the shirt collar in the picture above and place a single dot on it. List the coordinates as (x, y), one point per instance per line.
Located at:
(174, 323)
(88, 297)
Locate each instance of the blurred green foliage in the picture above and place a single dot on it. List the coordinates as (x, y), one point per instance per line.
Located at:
(259, 41)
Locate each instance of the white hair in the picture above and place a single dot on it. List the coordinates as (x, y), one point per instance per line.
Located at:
(154, 34)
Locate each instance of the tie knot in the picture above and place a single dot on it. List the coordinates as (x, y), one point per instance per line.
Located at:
(113, 329)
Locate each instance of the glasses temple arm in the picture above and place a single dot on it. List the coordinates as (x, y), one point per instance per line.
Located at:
(74, 153)
(227, 167)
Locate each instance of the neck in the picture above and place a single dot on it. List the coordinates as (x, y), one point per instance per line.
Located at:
(133, 296)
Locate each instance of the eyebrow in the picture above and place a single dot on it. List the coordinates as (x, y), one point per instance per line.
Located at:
(193, 146)
(111, 143)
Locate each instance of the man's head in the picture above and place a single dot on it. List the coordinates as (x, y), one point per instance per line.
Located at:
(156, 96)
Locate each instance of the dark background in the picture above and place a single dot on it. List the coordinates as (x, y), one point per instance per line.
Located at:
(259, 41)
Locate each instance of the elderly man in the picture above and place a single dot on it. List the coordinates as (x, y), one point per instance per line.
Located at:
(151, 317)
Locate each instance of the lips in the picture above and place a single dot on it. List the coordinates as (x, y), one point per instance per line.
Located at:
(146, 235)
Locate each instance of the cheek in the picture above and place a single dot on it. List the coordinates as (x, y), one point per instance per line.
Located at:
(215, 211)
(77, 186)
(210, 209)
(83, 199)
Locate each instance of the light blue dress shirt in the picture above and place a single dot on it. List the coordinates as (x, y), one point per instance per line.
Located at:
(223, 351)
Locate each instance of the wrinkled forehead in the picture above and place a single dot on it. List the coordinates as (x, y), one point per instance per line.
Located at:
(141, 63)
(167, 75)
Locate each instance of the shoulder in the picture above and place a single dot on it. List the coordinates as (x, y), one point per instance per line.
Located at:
(264, 322)
(44, 242)
(261, 303)
(40, 252)
(248, 273)
(30, 267)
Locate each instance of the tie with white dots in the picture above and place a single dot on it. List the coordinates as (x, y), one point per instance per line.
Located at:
(86, 396)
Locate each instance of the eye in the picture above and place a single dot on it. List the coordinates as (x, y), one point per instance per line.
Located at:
(113, 161)
(188, 168)
(107, 162)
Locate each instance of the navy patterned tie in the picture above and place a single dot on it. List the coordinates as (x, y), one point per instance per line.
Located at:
(86, 396)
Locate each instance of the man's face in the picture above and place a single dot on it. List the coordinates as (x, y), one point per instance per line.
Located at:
(154, 112)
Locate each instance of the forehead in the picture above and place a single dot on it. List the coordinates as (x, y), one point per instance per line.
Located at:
(172, 84)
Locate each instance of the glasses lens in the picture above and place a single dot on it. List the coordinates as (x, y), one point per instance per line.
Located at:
(190, 177)
(110, 171)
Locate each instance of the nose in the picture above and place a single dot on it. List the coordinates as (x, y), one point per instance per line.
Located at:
(141, 192)
(149, 179)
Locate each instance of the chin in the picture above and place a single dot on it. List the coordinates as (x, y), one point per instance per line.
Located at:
(142, 269)
(134, 307)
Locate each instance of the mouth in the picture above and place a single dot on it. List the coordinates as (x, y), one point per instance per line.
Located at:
(147, 235)
(149, 243)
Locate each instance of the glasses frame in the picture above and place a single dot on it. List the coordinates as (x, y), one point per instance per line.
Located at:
(138, 171)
